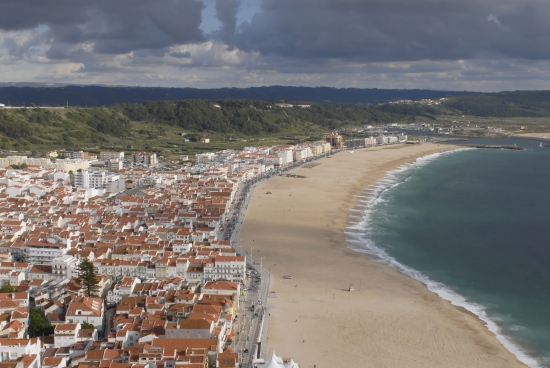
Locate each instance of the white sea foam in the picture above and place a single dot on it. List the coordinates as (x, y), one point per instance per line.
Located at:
(356, 234)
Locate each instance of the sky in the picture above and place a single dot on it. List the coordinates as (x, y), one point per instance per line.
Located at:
(475, 45)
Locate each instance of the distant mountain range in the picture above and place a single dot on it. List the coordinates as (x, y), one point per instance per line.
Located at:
(18, 94)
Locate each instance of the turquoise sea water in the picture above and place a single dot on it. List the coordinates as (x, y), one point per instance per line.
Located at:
(474, 225)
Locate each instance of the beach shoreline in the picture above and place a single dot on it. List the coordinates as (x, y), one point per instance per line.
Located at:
(390, 320)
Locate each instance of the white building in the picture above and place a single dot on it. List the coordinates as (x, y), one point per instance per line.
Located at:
(43, 253)
(74, 155)
(144, 158)
(13, 349)
(86, 310)
(104, 156)
(64, 266)
(285, 154)
(65, 334)
(204, 158)
(230, 268)
(273, 160)
(122, 288)
(381, 140)
(114, 165)
(99, 180)
(70, 165)
(370, 141)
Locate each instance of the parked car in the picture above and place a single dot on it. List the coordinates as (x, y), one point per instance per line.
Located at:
(288, 277)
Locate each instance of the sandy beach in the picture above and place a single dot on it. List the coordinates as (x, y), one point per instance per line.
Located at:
(390, 320)
(535, 135)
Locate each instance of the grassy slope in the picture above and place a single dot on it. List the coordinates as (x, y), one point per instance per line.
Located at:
(158, 125)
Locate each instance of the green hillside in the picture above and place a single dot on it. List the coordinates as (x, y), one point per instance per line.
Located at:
(159, 124)
(503, 104)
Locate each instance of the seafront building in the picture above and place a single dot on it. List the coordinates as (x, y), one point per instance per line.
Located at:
(334, 139)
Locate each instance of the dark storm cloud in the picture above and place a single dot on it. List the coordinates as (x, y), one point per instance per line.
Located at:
(113, 26)
(393, 30)
(185, 54)
(226, 12)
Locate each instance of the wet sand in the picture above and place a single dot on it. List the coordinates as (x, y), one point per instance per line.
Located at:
(390, 320)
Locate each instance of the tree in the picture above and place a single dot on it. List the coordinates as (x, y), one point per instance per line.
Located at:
(87, 277)
(38, 325)
(8, 289)
(87, 326)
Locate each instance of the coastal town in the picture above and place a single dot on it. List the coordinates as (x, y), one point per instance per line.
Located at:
(172, 286)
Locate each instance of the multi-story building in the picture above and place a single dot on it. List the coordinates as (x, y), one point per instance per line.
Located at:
(392, 140)
(122, 288)
(114, 165)
(335, 140)
(230, 268)
(370, 141)
(69, 165)
(204, 158)
(65, 334)
(86, 310)
(74, 155)
(145, 158)
(43, 253)
(98, 180)
(285, 153)
(381, 139)
(64, 266)
(13, 349)
(104, 156)
(116, 269)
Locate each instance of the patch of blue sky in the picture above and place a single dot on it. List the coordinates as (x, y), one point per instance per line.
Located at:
(211, 24)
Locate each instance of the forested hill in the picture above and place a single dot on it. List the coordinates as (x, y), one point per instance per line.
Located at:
(157, 122)
(105, 96)
(503, 104)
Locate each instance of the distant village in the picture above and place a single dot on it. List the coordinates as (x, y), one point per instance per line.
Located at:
(424, 101)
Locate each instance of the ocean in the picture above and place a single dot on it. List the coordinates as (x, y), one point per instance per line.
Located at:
(474, 226)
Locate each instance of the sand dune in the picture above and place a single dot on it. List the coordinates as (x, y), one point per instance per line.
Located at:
(390, 320)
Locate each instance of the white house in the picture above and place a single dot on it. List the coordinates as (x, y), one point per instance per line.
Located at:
(122, 288)
(13, 349)
(86, 310)
(64, 266)
(65, 334)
